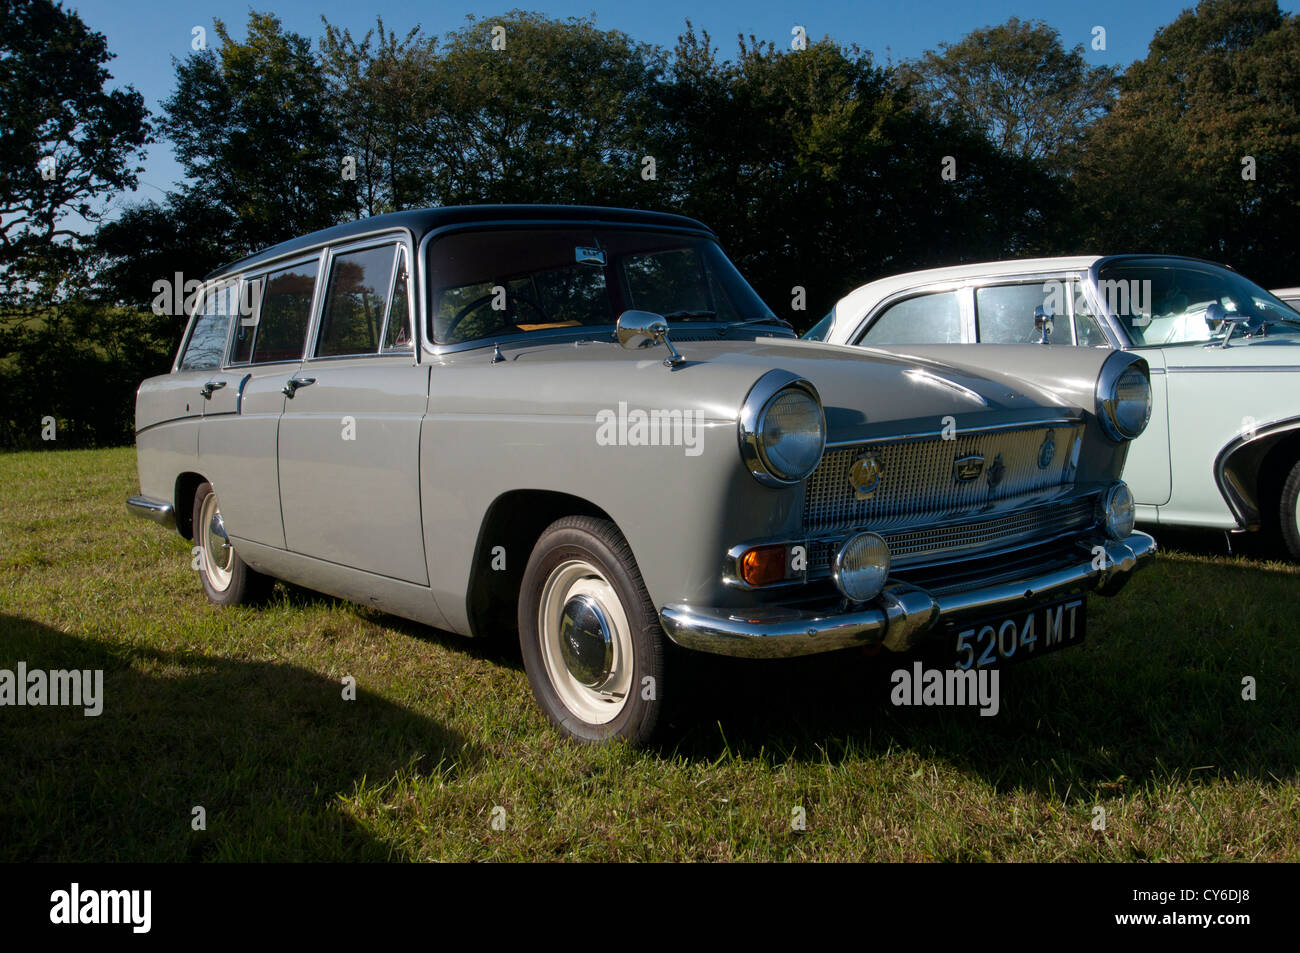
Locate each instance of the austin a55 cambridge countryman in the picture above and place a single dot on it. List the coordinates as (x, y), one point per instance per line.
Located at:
(584, 423)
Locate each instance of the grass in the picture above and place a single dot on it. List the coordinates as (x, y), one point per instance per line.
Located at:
(241, 712)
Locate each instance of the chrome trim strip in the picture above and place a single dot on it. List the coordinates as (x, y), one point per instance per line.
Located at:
(1024, 424)
(899, 617)
(161, 513)
(1263, 368)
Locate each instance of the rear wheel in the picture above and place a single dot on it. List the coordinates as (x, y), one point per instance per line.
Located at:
(590, 636)
(227, 579)
(1289, 511)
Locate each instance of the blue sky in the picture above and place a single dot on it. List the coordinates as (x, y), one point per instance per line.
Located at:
(146, 34)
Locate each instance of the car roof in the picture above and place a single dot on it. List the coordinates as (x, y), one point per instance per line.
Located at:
(1285, 292)
(861, 299)
(422, 221)
(866, 295)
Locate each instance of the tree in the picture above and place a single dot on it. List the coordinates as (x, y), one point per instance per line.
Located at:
(383, 100)
(66, 143)
(819, 174)
(556, 111)
(250, 126)
(1201, 153)
(1017, 83)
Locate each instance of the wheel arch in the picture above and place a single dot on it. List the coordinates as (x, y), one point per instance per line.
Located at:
(1248, 470)
(514, 521)
(187, 484)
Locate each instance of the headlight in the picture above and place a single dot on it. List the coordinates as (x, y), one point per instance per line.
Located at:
(782, 429)
(861, 566)
(1124, 397)
(1118, 511)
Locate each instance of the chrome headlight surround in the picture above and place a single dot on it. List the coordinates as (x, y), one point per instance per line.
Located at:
(1124, 396)
(1118, 511)
(754, 428)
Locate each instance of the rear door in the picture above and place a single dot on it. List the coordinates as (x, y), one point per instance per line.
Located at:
(349, 442)
(240, 431)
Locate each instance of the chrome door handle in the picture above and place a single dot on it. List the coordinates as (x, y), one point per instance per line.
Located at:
(207, 389)
(294, 383)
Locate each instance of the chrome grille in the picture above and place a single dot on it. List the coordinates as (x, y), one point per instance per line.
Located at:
(913, 546)
(917, 477)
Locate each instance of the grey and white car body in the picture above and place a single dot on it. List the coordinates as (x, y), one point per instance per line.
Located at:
(583, 423)
(1223, 447)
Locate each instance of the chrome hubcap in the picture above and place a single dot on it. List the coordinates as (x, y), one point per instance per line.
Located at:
(218, 556)
(586, 642)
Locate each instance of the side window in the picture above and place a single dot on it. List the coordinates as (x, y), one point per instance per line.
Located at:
(356, 301)
(397, 335)
(1004, 314)
(1087, 329)
(925, 319)
(241, 348)
(207, 343)
(282, 318)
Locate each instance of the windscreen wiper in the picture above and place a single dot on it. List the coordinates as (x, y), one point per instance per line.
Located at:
(769, 319)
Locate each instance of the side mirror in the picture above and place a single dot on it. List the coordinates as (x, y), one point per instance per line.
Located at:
(636, 328)
(1042, 323)
(1220, 320)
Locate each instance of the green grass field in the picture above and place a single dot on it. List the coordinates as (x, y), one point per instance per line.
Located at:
(241, 712)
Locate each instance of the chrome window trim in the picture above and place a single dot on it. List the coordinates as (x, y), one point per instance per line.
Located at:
(877, 311)
(403, 253)
(433, 349)
(400, 239)
(192, 320)
(1025, 278)
(279, 265)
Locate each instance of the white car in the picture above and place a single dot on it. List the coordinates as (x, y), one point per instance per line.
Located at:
(1223, 447)
(1290, 295)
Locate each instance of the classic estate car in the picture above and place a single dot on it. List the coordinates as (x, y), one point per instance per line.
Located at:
(584, 423)
(1223, 448)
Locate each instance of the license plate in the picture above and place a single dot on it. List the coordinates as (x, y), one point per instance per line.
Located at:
(1018, 636)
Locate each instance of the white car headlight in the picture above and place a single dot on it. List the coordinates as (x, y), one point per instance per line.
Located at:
(782, 429)
(1124, 396)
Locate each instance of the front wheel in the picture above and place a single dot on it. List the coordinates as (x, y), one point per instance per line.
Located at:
(1289, 512)
(227, 579)
(590, 636)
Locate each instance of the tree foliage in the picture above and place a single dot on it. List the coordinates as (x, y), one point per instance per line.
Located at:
(1019, 84)
(1169, 170)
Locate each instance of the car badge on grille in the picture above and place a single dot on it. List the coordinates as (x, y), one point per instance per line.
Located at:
(1047, 451)
(965, 469)
(996, 472)
(865, 476)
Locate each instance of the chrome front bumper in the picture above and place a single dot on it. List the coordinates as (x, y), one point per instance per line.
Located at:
(156, 510)
(900, 616)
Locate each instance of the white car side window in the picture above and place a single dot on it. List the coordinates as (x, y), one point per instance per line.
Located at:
(924, 319)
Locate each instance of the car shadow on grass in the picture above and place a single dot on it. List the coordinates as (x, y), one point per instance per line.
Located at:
(497, 648)
(1154, 693)
(266, 749)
